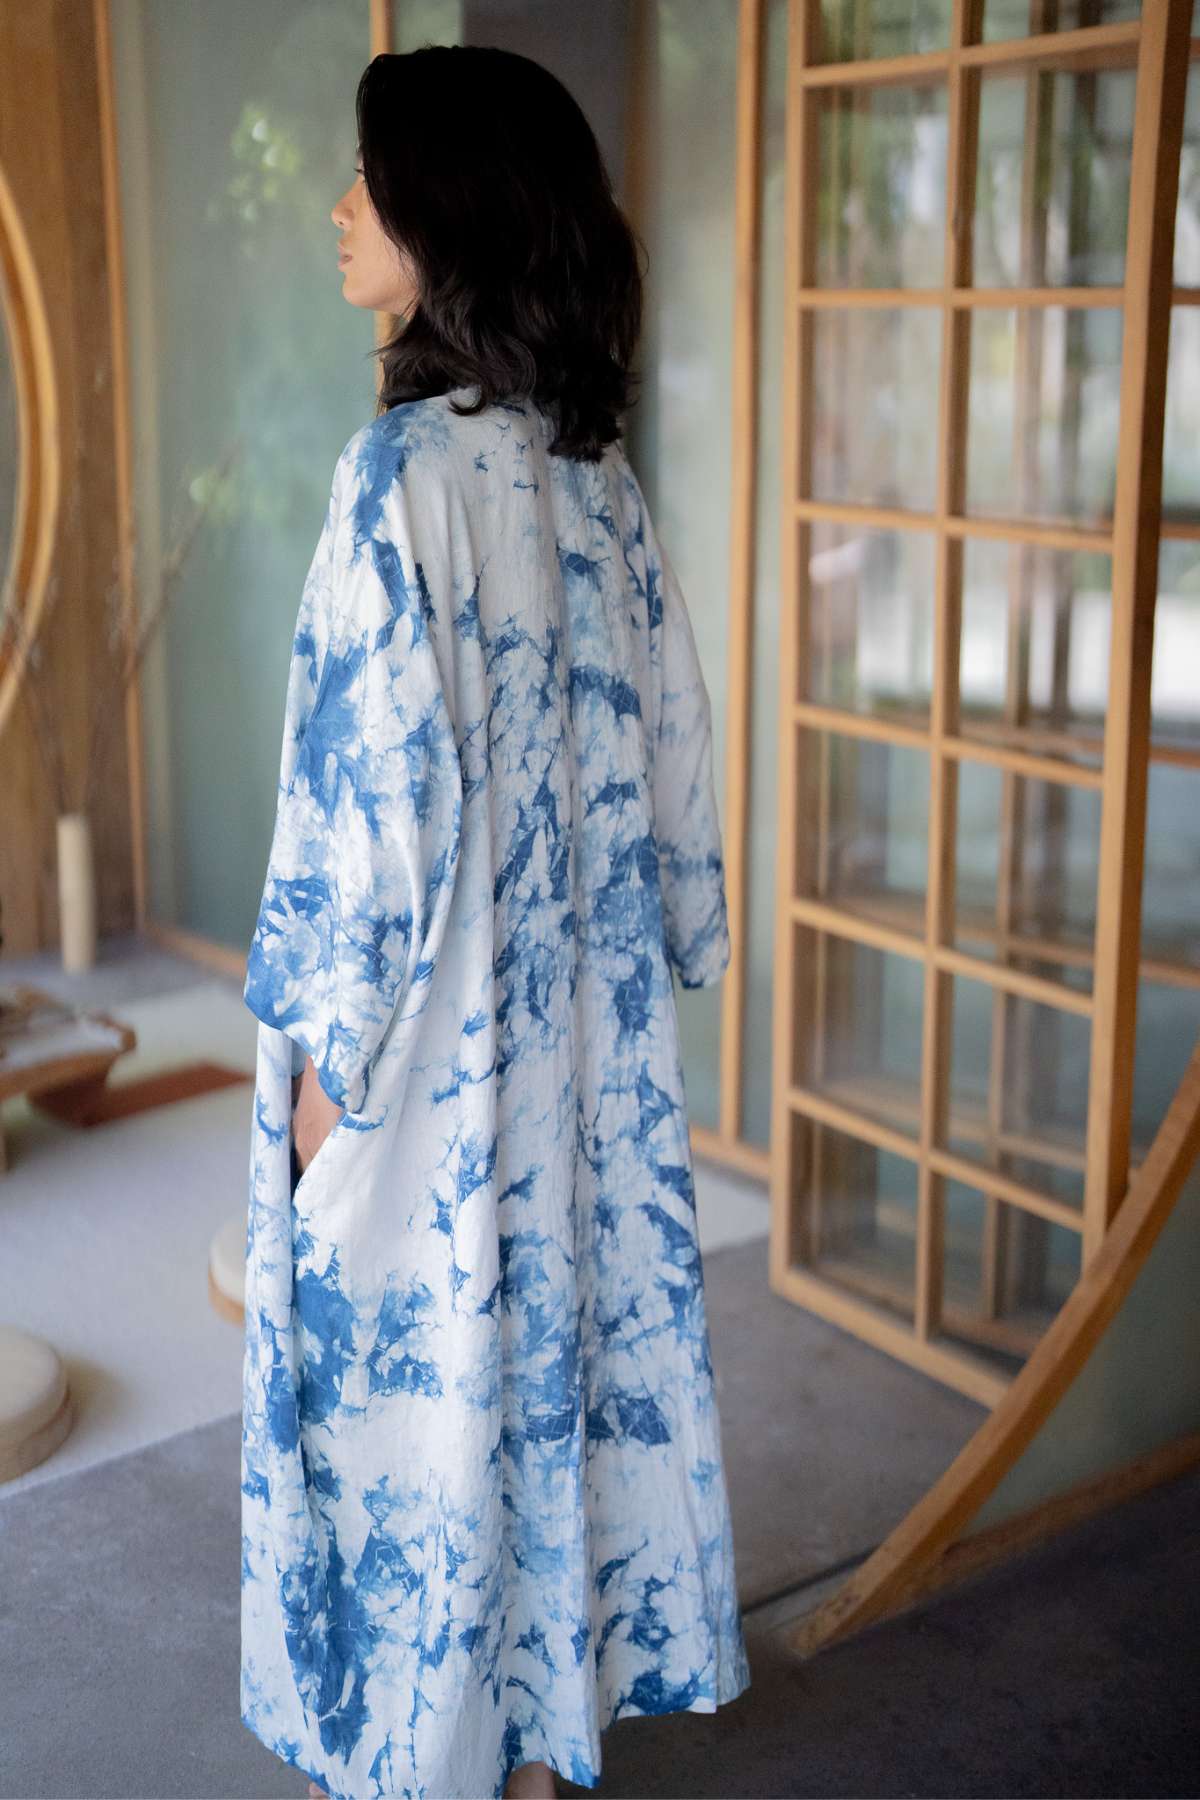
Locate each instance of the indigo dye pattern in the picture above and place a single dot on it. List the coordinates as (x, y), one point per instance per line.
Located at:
(483, 1500)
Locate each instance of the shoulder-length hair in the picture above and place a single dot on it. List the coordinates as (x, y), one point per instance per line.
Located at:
(484, 171)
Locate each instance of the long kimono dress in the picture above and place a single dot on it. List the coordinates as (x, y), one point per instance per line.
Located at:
(484, 1508)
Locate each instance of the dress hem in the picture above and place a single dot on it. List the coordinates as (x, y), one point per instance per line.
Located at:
(704, 1705)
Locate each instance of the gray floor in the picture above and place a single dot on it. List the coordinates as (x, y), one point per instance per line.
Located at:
(1073, 1674)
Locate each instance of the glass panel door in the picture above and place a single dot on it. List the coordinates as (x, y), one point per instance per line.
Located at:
(974, 272)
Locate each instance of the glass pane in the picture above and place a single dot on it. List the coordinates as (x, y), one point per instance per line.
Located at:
(851, 30)
(1018, 1087)
(1187, 213)
(1168, 1026)
(861, 1036)
(1046, 449)
(768, 504)
(876, 382)
(417, 22)
(1006, 1273)
(858, 1215)
(236, 138)
(1170, 917)
(1043, 617)
(1028, 18)
(1181, 423)
(1028, 859)
(881, 216)
(871, 611)
(1052, 187)
(1175, 689)
(1171, 878)
(679, 435)
(863, 818)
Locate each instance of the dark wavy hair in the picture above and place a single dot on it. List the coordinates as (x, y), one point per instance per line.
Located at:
(483, 169)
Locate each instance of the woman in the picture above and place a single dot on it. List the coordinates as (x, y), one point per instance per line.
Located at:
(484, 1505)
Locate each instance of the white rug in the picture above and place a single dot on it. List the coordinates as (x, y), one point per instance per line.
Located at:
(104, 1237)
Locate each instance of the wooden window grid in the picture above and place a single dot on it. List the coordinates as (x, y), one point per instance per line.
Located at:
(1157, 45)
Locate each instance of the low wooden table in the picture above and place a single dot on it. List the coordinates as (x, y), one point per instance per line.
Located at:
(39, 1058)
(70, 1081)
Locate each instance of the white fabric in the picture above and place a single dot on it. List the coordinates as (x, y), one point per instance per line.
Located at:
(484, 1502)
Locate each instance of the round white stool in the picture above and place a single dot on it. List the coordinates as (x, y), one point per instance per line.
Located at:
(36, 1410)
(227, 1270)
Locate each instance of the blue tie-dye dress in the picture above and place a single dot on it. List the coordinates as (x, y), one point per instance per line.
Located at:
(484, 1503)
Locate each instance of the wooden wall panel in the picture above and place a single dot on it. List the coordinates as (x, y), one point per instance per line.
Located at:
(50, 148)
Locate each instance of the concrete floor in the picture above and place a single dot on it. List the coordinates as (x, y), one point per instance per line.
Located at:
(1074, 1672)
(1071, 1673)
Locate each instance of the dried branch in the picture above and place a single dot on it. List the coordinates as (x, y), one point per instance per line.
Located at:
(128, 648)
(135, 647)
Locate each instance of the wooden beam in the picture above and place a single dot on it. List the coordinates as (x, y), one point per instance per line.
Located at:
(1154, 179)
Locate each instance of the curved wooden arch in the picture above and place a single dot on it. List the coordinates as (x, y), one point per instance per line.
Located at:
(906, 1558)
(26, 579)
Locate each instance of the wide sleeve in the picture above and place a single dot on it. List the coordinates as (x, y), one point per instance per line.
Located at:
(364, 852)
(687, 827)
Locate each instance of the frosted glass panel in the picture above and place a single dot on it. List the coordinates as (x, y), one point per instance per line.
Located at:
(870, 619)
(1030, 1111)
(1042, 895)
(859, 1214)
(764, 750)
(866, 805)
(1049, 452)
(1077, 129)
(417, 22)
(1170, 917)
(1181, 423)
(875, 372)
(882, 172)
(1187, 212)
(1036, 627)
(861, 1045)
(1026, 18)
(1006, 1273)
(1176, 693)
(679, 431)
(237, 137)
(851, 31)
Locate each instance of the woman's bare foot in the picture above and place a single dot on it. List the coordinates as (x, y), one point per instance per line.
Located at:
(316, 1793)
(532, 1781)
